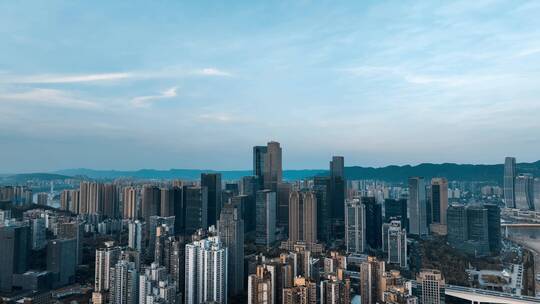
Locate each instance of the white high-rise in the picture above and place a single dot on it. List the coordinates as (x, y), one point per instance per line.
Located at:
(124, 283)
(416, 205)
(206, 271)
(524, 192)
(135, 235)
(395, 243)
(355, 226)
(509, 182)
(105, 259)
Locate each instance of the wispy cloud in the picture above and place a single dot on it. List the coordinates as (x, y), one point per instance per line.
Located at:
(212, 72)
(146, 101)
(79, 78)
(528, 52)
(48, 97)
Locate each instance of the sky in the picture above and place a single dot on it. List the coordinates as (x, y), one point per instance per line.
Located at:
(195, 84)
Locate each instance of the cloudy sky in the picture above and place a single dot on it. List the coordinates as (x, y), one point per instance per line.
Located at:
(164, 84)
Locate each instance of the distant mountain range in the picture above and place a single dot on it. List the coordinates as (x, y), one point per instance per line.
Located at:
(462, 172)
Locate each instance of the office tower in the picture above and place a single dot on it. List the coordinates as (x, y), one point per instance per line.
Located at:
(42, 199)
(373, 216)
(106, 258)
(231, 233)
(283, 193)
(195, 200)
(524, 192)
(39, 233)
(430, 287)
(15, 242)
(62, 261)
(124, 283)
(260, 287)
(494, 228)
(321, 188)
(153, 224)
(335, 291)
(265, 219)
(206, 271)
(510, 173)
(212, 181)
(129, 199)
(272, 174)
(166, 202)
(75, 200)
(72, 230)
(439, 204)
(536, 190)
(249, 185)
(136, 235)
(457, 225)
(302, 217)
(477, 228)
(178, 210)
(303, 292)
(370, 275)
(65, 200)
(150, 202)
(395, 243)
(355, 225)
(337, 193)
(247, 208)
(396, 209)
(417, 207)
(259, 156)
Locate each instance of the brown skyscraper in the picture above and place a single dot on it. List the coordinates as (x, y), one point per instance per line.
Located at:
(302, 217)
(439, 204)
(272, 172)
(130, 203)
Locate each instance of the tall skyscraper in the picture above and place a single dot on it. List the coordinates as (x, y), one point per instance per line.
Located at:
(153, 224)
(106, 258)
(124, 283)
(283, 193)
(457, 225)
(136, 235)
(231, 233)
(370, 275)
(355, 225)
(75, 200)
(373, 217)
(510, 173)
(212, 181)
(439, 204)
(265, 227)
(206, 271)
(395, 243)
(72, 230)
(417, 207)
(494, 228)
(272, 173)
(150, 202)
(196, 208)
(337, 194)
(39, 233)
(62, 261)
(321, 188)
(129, 201)
(259, 156)
(14, 249)
(477, 228)
(396, 209)
(430, 287)
(302, 217)
(524, 192)
(65, 200)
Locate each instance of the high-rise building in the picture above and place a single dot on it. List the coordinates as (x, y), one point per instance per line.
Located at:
(373, 217)
(265, 227)
(195, 200)
(212, 181)
(166, 202)
(321, 188)
(111, 202)
(260, 287)
(395, 243)
(65, 200)
(370, 275)
(430, 287)
(206, 271)
(417, 207)
(396, 209)
(302, 217)
(136, 235)
(231, 233)
(439, 204)
(75, 200)
(106, 258)
(129, 200)
(156, 286)
(167, 223)
(524, 192)
(335, 290)
(39, 233)
(303, 292)
(62, 261)
(272, 174)
(337, 194)
(259, 156)
(457, 225)
(283, 193)
(355, 225)
(477, 228)
(150, 202)
(124, 283)
(494, 228)
(510, 173)
(42, 199)
(14, 249)
(72, 230)
(174, 250)
(536, 190)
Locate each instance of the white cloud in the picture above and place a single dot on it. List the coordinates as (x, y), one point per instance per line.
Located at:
(48, 97)
(528, 52)
(146, 101)
(80, 78)
(212, 72)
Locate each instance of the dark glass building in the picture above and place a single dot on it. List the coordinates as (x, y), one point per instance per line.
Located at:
(212, 181)
(373, 222)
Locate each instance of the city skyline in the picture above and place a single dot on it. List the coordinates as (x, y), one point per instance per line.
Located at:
(195, 85)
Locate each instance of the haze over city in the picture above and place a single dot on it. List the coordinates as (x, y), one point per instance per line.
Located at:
(195, 85)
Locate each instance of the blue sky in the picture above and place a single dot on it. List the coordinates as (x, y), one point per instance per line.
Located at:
(171, 84)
